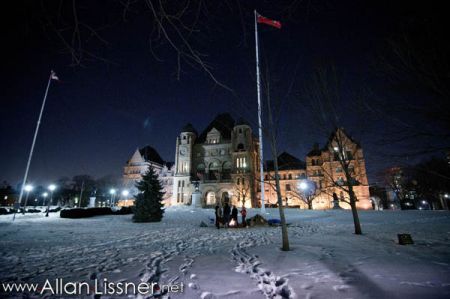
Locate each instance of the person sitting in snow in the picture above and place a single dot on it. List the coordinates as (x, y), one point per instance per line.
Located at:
(244, 214)
(234, 215)
(218, 216)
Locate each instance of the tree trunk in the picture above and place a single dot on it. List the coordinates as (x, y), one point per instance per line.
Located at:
(354, 211)
(273, 145)
(310, 205)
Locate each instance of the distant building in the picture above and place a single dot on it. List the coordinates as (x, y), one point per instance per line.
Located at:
(223, 159)
(138, 166)
(292, 172)
(8, 195)
(324, 169)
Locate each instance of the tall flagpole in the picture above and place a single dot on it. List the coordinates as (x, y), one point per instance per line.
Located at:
(258, 87)
(52, 75)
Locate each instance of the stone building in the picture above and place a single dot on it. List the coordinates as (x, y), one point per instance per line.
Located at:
(323, 167)
(223, 159)
(137, 166)
(292, 172)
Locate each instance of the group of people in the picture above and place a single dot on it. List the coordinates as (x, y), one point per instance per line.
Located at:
(227, 214)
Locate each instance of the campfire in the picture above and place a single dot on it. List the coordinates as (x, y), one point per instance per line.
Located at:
(232, 223)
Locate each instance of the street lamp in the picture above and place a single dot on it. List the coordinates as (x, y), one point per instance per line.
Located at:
(303, 186)
(113, 195)
(125, 194)
(52, 188)
(308, 191)
(28, 189)
(44, 195)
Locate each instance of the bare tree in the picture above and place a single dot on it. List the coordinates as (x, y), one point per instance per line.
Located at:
(242, 190)
(306, 192)
(415, 64)
(339, 165)
(271, 132)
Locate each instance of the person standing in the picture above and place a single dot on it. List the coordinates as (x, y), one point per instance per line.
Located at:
(226, 214)
(244, 214)
(218, 216)
(234, 215)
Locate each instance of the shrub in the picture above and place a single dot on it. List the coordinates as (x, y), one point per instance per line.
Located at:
(83, 213)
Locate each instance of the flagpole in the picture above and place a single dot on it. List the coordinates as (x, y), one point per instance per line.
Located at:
(34, 142)
(258, 88)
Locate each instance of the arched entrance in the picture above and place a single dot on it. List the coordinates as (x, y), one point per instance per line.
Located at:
(210, 198)
(225, 198)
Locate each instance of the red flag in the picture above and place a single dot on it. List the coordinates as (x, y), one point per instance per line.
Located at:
(269, 22)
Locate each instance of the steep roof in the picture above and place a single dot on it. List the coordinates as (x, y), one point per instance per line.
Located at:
(224, 123)
(150, 155)
(189, 128)
(242, 122)
(286, 161)
(333, 135)
(315, 151)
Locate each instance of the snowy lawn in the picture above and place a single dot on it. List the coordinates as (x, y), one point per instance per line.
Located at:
(326, 261)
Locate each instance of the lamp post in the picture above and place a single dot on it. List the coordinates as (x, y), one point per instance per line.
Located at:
(44, 195)
(51, 188)
(113, 195)
(125, 194)
(28, 189)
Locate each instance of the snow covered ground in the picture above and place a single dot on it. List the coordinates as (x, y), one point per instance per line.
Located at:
(326, 261)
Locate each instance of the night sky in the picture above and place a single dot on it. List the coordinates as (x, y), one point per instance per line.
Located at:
(100, 112)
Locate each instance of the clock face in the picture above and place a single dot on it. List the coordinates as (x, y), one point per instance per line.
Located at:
(183, 151)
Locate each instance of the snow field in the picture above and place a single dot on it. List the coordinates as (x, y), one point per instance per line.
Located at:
(326, 261)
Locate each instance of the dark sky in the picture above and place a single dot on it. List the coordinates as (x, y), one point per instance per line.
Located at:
(100, 112)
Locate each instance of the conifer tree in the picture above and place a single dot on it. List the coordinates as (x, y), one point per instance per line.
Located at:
(148, 203)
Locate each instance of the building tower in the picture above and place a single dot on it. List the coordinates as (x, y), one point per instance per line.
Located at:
(245, 163)
(183, 163)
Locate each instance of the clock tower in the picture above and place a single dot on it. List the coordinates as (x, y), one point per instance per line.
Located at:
(183, 161)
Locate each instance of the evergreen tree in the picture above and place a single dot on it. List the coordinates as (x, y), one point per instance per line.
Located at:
(148, 206)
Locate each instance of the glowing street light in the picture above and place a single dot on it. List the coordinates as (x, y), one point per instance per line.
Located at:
(52, 188)
(28, 189)
(303, 185)
(125, 193)
(112, 191)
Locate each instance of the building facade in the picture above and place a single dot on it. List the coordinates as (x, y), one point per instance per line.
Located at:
(223, 159)
(326, 168)
(137, 166)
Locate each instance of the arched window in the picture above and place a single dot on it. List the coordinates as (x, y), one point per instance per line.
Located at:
(213, 171)
(201, 171)
(238, 181)
(290, 176)
(240, 147)
(210, 198)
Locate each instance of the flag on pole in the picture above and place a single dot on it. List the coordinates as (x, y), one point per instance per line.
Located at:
(53, 76)
(269, 22)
